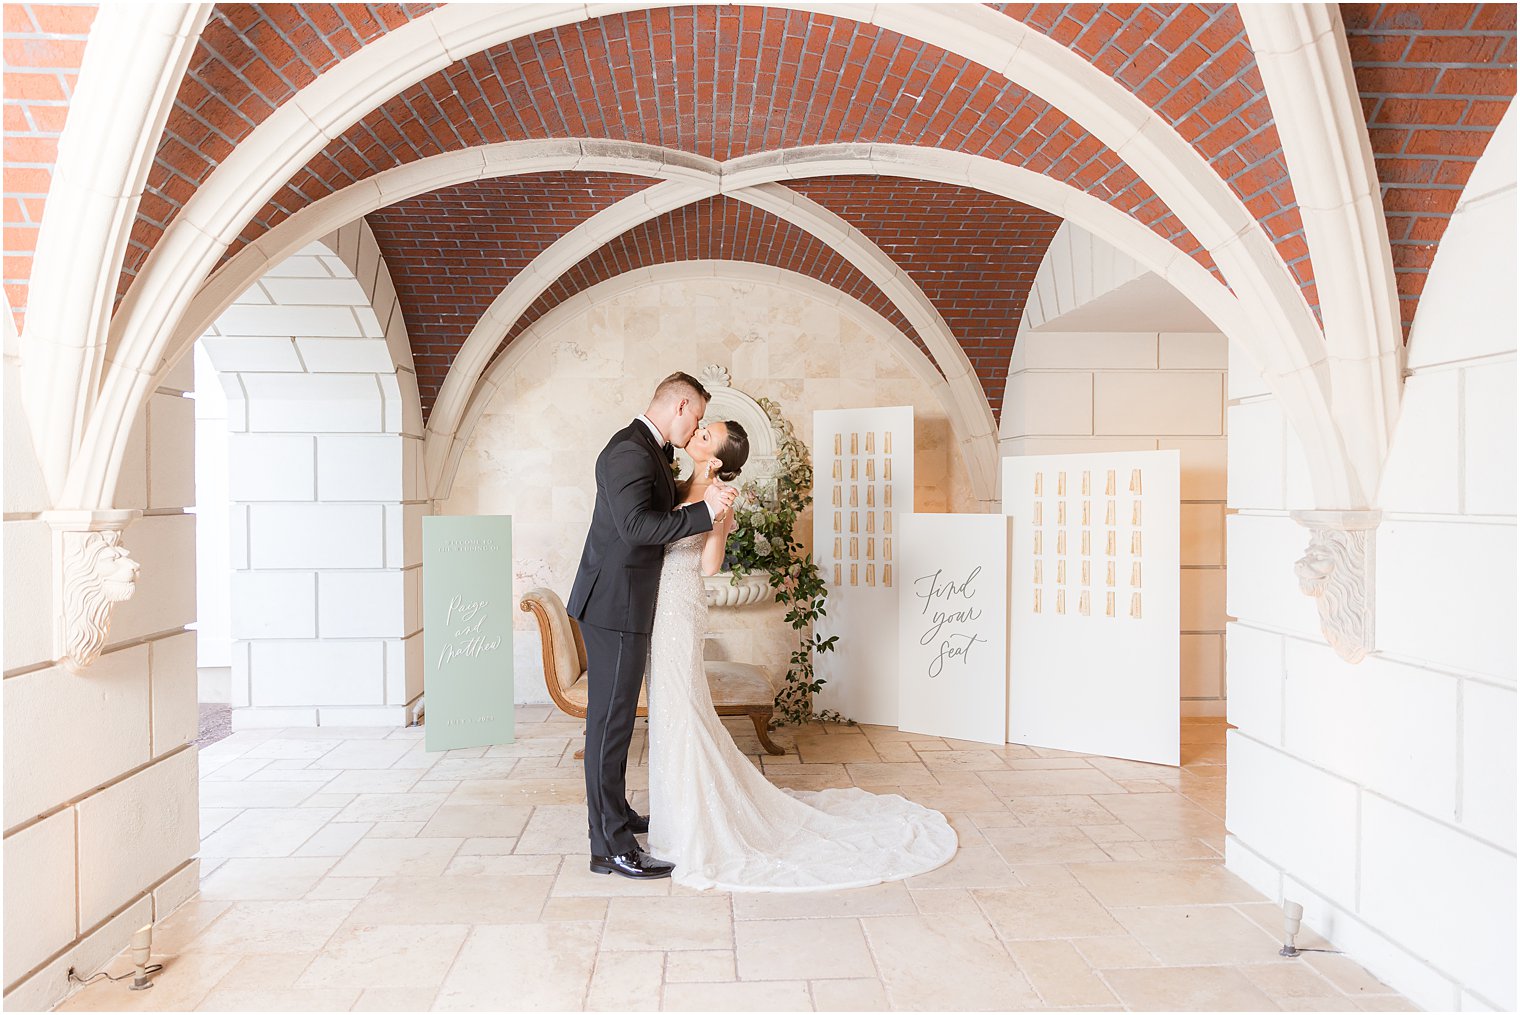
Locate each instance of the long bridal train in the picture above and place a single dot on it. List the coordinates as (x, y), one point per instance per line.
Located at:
(715, 815)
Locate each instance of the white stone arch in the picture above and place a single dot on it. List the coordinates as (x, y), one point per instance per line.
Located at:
(1305, 66)
(1285, 340)
(133, 61)
(509, 360)
(1289, 365)
(326, 490)
(1297, 382)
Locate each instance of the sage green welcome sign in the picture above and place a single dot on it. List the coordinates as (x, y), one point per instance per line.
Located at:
(467, 630)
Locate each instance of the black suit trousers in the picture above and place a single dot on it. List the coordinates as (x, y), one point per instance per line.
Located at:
(615, 661)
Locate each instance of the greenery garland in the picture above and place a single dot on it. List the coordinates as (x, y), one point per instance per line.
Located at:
(763, 540)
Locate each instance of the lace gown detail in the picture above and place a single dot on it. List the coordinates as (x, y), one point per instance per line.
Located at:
(718, 819)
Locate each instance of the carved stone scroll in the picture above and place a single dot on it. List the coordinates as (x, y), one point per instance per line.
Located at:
(1337, 570)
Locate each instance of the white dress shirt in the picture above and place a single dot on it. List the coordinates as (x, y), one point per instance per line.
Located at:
(659, 438)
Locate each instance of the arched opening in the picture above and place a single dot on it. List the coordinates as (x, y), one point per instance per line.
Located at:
(322, 454)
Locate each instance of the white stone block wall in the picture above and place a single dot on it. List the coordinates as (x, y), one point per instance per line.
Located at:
(1382, 795)
(101, 804)
(1141, 391)
(326, 492)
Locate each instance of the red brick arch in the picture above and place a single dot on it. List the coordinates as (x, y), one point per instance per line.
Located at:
(731, 96)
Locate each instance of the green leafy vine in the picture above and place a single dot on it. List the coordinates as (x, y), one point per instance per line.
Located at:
(764, 540)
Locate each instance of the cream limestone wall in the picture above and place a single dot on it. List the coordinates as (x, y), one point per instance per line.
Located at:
(1382, 795)
(101, 802)
(533, 451)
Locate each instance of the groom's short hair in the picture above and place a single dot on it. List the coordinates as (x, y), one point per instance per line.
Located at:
(681, 385)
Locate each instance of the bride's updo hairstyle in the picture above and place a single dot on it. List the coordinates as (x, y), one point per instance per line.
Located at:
(735, 451)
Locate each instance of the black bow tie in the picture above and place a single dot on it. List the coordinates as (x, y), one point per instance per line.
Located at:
(670, 452)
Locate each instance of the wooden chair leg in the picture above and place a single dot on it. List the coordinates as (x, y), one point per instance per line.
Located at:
(762, 721)
(580, 755)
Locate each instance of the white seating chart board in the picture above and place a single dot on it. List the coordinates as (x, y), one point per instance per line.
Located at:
(862, 484)
(1095, 603)
(952, 608)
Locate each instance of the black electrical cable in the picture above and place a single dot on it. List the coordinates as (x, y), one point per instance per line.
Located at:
(146, 970)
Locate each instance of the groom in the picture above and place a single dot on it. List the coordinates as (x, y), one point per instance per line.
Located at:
(613, 598)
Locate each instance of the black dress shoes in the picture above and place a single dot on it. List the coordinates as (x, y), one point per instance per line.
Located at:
(638, 824)
(635, 864)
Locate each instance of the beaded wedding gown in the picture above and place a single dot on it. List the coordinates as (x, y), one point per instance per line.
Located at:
(718, 819)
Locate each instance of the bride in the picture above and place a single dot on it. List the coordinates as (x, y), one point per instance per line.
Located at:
(711, 811)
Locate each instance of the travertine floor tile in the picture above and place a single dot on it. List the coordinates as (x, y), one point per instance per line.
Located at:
(1022, 914)
(668, 924)
(756, 996)
(395, 999)
(265, 878)
(1347, 975)
(1060, 810)
(517, 967)
(284, 793)
(700, 967)
(1193, 988)
(394, 857)
(503, 865)
(839, 748)
(1163, 883)
(272, 999)
(392, 807)
(376, 780)
(1053, 844)
(848, 995)
(1114, 952)
(556, 828)
(342, 888)
(887, 899)
(450, 899)
(972, 867)
(272, 927)
(394, 955)
(470, 866)
(482, 821)
(334, 838)
(801, 950)
(889, 774)
(626, 981)
(914, 954)
(1179, 935)
(1059, 973)
(1072, 782)
(361, 753)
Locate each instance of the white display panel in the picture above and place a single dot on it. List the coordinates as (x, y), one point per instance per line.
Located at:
(952, 610)
(1095, 611)
(862, 485)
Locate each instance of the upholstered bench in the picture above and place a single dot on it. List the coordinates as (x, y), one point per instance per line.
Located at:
(737, 688)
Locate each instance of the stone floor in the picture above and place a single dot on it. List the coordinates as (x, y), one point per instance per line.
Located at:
(350, 869)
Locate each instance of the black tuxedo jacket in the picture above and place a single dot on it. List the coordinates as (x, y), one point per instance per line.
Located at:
(633, 519)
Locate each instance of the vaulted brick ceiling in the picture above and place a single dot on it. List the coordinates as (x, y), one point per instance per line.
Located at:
(724, 82)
